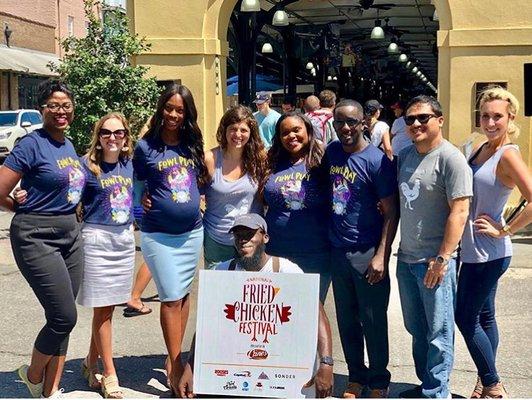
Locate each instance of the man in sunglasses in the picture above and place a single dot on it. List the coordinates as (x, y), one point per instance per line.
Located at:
(361, 176)
(435, 185)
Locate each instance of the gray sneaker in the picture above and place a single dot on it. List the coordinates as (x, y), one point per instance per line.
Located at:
(34, 388)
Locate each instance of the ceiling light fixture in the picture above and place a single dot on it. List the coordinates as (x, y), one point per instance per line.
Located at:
(250, 6)
(309, 65)
(415, 69)
(280, 18)
(267, 48)
(403, 58)
(409, 64)
(377, 33)
(393, 48)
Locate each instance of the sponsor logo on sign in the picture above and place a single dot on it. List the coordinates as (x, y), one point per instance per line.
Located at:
(221, 372)
(230, 385)
(285, 376)
(245, 386)
(263, 376)
(277, 387)
(257, 354)
(245, 374)
(258, 387)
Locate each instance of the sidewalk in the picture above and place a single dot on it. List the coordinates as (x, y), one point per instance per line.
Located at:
(140, 349)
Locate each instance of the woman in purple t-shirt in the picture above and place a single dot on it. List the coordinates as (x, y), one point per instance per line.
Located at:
(296, 193)
(45, 234)
(108, 241)
(170, 159)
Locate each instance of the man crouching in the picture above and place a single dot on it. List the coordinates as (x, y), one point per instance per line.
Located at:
(250, 236)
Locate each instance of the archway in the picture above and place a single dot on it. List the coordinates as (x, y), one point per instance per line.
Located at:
(477, 43)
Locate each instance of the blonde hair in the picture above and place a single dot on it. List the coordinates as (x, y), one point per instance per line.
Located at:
(95, 153)
(499, 93)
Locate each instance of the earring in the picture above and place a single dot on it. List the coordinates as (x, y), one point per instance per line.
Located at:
(98, 147)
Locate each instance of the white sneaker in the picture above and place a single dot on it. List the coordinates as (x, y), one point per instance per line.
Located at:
(58, 394)
(34, 388)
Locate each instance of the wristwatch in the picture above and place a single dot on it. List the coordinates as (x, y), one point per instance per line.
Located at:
(506, 229)
(441, 260)
(327, 360)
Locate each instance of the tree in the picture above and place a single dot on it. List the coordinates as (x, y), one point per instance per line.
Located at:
(99, 71)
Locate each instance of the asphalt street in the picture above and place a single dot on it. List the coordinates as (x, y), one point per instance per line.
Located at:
(140, 351)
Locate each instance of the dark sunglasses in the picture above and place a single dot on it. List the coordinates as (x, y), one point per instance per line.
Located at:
(351, 122)
(106, 133)
(422, 118)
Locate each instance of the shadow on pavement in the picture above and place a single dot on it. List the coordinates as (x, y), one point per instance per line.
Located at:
(144, 374)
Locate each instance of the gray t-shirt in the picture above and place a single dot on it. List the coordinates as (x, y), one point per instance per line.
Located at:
(427, 182)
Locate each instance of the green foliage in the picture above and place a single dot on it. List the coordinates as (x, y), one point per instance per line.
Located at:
(99, 71)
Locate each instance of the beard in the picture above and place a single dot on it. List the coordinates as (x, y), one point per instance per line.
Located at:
(253, 262)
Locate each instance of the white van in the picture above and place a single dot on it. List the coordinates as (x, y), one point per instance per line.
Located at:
(14, 125)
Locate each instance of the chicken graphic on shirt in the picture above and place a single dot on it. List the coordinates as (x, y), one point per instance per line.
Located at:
(180, 182)
(294, 195)
(241, 208)
(410, 194)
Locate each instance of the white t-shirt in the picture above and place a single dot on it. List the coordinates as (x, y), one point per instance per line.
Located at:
(401, 138)
(378, 131)
(285, 266)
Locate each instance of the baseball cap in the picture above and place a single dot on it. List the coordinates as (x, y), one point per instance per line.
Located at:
(253, 221)
(371, 106)
(262, 97)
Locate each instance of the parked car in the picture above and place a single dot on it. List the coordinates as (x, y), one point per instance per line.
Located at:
(14, 125)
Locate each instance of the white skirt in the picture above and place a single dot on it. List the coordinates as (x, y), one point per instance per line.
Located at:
(109, 254)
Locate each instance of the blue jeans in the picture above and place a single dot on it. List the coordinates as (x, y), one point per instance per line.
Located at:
(429, 317)
(475, 314)
(361, 311)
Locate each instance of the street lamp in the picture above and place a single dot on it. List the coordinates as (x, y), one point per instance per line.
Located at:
(250, 6)
(280, 18)
(267, 48)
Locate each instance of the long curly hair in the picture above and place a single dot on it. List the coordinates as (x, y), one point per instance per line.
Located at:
(254, 154)
(313, 152)
(189, 135)
(95, 153)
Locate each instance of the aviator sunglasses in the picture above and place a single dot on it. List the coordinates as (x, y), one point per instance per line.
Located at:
(422, 118)
(106, 133)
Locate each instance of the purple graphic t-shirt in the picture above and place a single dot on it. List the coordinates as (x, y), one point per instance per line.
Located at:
(298, 211)
(52, 174)
(170, 174)
(358, 182)
(108, 198)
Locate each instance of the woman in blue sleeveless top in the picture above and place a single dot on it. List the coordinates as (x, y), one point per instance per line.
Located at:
(170, 159)
(486, 247)
(236, 167)
(296, 194)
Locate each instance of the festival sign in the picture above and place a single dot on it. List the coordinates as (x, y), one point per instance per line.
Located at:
(256, 334)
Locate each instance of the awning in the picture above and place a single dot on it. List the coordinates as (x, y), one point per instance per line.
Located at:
(26, 61)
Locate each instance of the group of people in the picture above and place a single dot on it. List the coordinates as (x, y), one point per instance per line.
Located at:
(331, 206)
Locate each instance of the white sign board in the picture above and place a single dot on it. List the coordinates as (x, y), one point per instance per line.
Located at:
(256, 333)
